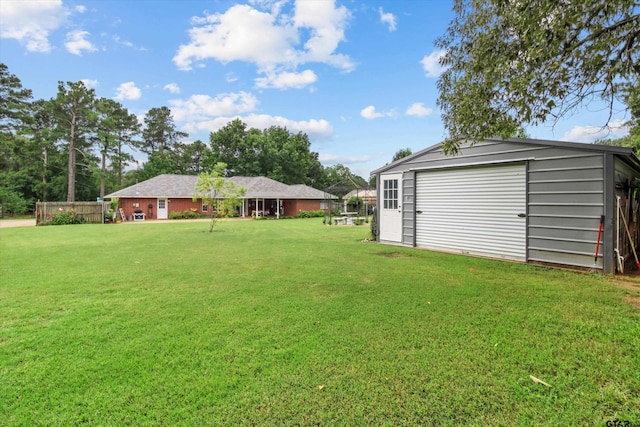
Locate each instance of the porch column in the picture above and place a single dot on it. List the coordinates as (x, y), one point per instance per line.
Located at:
(278, 208)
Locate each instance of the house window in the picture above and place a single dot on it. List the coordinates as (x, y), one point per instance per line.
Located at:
(390, 194)
(205, 207)
(323, 204)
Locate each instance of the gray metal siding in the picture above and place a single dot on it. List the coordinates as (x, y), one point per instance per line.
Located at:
(408, 208)
(566, 200)
(569, 186)
(478, 211)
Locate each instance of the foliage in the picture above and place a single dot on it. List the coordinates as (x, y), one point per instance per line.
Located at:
(273, 152)
(160, 134)
(632, 98)
(66, 218)
(186, 214)
(295, 323)
(356, 202)
(12, 202)
(109, 215)
(14, 102)
(311, 214)
(73, 111)
(113, 203)
(516, 63)
(222, 195)
(116, 129)
(339, 180)
(191, 158)
(16, 153)
(401, 154)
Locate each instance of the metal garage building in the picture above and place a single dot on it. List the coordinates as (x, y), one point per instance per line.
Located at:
(518, 199)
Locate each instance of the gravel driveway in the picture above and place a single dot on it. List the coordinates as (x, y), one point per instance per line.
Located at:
(7, 223)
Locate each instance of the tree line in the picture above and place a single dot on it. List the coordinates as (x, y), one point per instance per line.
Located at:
(77, 146)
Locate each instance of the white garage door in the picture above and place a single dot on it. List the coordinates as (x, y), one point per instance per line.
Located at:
(473, 210)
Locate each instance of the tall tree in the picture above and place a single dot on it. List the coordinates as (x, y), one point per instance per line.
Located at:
(273, 152)
(74, 114)
(511, 63)
(160, 134)
(50, 161)
(115, 128)
(229, 146)
(15, 103)
(191, 157)
(127, 129)
(401, 154)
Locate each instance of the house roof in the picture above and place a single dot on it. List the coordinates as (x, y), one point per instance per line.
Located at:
(621, 151)
(183, 187)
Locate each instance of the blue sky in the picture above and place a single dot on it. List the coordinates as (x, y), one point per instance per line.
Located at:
(359, 77)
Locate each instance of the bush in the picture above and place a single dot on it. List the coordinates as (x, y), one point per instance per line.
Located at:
(66, 218)
(188, 214)
(311, 214)
(12, 202)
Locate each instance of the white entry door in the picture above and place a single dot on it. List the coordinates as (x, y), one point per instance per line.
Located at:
(390, 208)
(162, 209)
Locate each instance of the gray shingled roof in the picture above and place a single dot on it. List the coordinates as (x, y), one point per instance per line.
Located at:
(183, 186)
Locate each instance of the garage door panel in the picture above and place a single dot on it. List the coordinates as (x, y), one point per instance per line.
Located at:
(473, 211)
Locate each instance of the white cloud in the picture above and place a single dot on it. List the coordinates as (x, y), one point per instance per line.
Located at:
(418, 109)
(31, 21)
(118, 40)
(431, 63)
(81, 8)
(315, 129)
(273, 5)
(287, 80)
(77, 42)
(127, 43)
(333, 158)
(172, 87)
(230, 78)
(616, 128)
(388, 18)
(370, 113)
(273, 41)
(90, 83)
(128, 91)
(326, 23)
(200, 108)
(242, 33)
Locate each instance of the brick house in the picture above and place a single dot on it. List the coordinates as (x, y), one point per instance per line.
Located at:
(159, 196)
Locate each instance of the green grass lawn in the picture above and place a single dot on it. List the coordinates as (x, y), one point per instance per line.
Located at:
(294, 323)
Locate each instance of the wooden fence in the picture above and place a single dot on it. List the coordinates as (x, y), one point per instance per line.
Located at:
(90, 212)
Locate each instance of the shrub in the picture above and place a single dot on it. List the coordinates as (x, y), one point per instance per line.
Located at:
(66, 217)
(12, 202)
(311, 214)
(188, 214)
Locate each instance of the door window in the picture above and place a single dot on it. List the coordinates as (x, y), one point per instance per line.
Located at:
(390, 194)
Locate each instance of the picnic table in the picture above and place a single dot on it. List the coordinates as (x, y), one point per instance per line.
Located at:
(347, 218)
